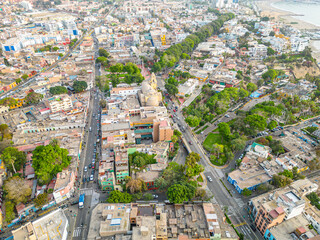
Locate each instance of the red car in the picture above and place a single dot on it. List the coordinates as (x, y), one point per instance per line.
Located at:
(174, 110)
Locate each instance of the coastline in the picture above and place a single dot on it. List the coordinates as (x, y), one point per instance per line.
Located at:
(268, 10)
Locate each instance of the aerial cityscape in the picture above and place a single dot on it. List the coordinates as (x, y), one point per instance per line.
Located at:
(160, 120)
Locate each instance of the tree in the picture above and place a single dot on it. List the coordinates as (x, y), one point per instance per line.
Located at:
(6, 62)
(280, 180)
(224, 130)
(238, 144)
(79, 86)
(217, 148)
(271, 74)
(177, 133)
(148, 196)
(276, 147)
(18, 80)
(177, 193)
(33, 98)
(246, 192)
(251, 87)
(243, 93)
(171, 89)
(192, 159)
(24, 76)
(161, 183)
(58, 90)
(55, 49)
(103, 103)
(256, 122)
(172, 174)
(103, 53)
(136, 185)
(13, 158)
(17, 190)
(48, 161)
(10, 215)
(272, 124)
(61, 55)
(287, 173)
(119, 197)
(193, 121)
(174, 138)
(270, 51)
(192, 167)
(41, 199)
(103, 60)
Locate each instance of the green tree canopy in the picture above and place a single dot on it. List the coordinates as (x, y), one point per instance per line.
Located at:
(119, 197)
(246, 192)
(58, 90)
(171, 89)
(193, 121)
(224, 130)
(103, 53)
(33, 98)
(251, 87)
(270, 51)
(49, 160)
(178, 193)
(24, 76)
(41, 199)
(79, 86)
(13, 158)
(256, 122)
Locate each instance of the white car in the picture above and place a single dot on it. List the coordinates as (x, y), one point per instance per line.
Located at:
(209, 178)
(85, 168)
(91, 177)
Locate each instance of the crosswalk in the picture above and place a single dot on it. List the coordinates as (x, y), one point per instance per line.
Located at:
(87, 192)
(77, 232)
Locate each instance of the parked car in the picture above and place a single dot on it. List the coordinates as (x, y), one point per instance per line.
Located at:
(84, 179)
(155, 196)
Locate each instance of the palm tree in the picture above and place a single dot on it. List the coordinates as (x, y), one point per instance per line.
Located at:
(136, 185)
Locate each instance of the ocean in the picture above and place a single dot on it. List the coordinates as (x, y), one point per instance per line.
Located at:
(309, 9)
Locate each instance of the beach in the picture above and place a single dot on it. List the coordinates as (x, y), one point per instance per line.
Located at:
(288, 18)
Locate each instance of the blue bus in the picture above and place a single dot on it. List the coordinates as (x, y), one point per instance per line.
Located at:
(81, 201)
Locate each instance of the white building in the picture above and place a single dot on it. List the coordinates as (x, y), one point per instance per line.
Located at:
(26, 5)
(60, 103)
(298, 44)
(188, 87)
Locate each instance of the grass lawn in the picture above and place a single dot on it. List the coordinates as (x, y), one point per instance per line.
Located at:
(218, 162)
(211, 139)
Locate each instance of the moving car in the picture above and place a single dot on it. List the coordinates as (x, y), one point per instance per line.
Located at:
(209, 178)
(91, 178)
(85, 168)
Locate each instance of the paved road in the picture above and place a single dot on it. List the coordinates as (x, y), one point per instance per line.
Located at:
(234, 204)
(92, 151)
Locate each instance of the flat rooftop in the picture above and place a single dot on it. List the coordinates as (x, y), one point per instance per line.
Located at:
(51, 226)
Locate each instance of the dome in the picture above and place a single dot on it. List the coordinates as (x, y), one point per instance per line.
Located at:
(145, 87)
(152, 101)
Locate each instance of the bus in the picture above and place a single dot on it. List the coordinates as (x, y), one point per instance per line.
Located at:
(81, 201)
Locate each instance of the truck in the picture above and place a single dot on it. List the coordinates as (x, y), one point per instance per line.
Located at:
(81, 200)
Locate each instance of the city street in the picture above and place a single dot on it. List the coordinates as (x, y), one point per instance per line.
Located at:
(235, 205)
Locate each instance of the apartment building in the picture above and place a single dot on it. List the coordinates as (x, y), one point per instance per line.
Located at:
(59, 103)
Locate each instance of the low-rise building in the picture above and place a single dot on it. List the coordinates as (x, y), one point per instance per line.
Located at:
(160, 221)
(55, 224)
